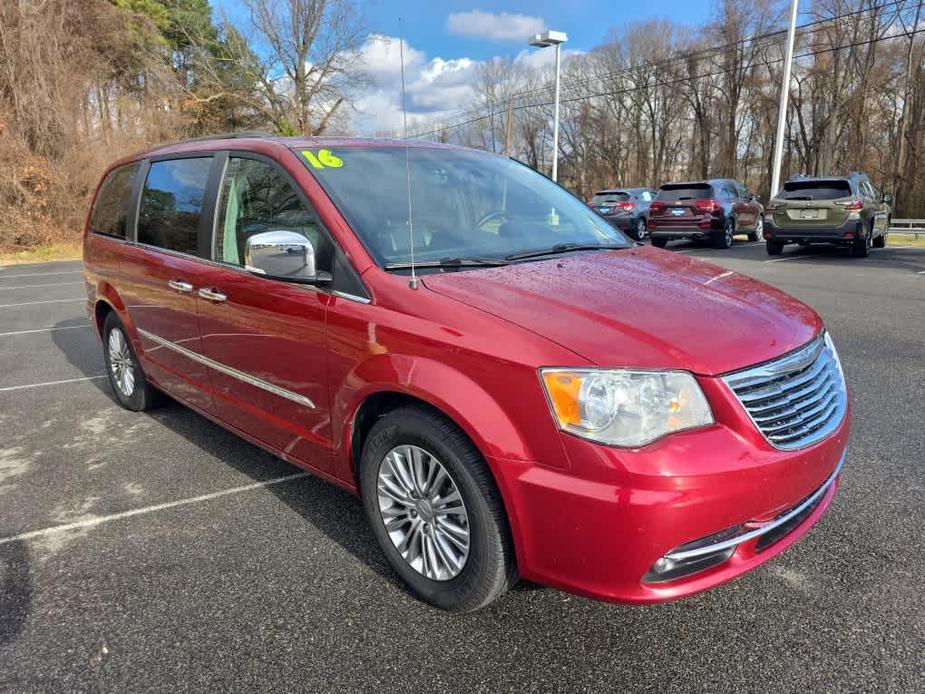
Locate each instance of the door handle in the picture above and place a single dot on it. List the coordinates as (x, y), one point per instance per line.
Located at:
(180, 286)
(212, 295)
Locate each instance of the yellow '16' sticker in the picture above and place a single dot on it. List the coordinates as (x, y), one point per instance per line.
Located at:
(324, 159)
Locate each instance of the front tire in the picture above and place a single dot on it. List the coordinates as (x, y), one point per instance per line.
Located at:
(435, 510)
(758, 232)
(880, 241)
(126, 377)
(639, 229)
(659, 242)
(774, 247)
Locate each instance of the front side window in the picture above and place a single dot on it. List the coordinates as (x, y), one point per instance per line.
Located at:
(255, 198)
(110, 209)
(464, 204)
(171, 203)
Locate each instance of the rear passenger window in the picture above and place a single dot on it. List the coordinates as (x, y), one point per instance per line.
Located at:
(171, 203)
(256, 197)
(110, 209)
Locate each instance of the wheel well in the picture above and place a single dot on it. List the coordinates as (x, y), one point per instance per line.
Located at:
(378, 405)
(101, 310)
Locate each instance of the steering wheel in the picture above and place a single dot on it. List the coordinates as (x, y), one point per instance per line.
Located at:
(491, 216)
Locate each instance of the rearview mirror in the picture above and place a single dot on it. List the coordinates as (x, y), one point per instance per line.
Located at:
(888, 198)
(283, 255)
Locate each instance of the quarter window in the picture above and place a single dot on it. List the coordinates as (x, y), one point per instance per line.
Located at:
(110, 209)
(171, 204)
(256, 197)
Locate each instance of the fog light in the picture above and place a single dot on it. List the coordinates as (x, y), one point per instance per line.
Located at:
(668, 568)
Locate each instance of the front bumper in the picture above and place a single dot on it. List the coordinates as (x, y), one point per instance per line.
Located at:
(599, 528)
(835, 234)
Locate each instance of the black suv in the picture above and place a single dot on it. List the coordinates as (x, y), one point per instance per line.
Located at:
(716, 209)
(842, 210)
(625, 208)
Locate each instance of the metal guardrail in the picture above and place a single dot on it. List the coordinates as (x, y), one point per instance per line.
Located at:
(908, 227)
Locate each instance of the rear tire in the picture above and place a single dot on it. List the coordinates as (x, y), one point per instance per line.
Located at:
(659, 242)
(126, 377)
(774, 247)
(860, 248)
(724, 238)
(415, 508)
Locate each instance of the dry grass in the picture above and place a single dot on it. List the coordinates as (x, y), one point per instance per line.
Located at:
(900, 240)
(41, 254)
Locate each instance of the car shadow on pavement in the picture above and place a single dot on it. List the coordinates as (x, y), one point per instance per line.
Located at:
(15, 589)
(332, 510)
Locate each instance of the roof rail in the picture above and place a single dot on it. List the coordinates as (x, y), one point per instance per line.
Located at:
(231, 136)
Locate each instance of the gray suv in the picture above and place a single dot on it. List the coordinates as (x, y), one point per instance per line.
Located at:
(841, 210)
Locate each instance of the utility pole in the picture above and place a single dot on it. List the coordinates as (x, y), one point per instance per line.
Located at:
(784, 97)
(509, 129)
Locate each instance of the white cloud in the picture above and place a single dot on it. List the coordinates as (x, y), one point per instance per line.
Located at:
(500, 26)
(435, 87)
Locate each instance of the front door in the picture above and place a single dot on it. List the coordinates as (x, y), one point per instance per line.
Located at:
(161, 273)
(266, 337)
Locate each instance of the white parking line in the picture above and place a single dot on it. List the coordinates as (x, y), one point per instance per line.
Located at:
(34, 286)
(99, 520)
(789, 257)
(51, 383)
(50, 301)
(46, 330)
(3, 275)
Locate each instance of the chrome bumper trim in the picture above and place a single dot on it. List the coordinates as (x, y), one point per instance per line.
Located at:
(228, 371)
(764, 529)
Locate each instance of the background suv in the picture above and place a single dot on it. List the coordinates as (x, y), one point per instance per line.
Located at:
(843, 210)
(716, 209)
(625, 208)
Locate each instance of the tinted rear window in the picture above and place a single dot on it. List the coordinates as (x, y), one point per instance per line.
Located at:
(605, 198)
(110, 209)
(815, 190)
(171, 203)
(671, 193)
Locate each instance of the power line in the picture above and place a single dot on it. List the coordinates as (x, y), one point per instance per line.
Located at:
(683, 57)
(628, 90)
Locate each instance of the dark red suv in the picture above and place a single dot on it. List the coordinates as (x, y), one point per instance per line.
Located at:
(512, 386)
(716, 210)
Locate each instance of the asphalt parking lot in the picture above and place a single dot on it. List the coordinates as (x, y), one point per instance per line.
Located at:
(158, 551)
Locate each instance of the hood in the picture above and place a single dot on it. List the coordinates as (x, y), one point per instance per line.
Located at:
(640, 307)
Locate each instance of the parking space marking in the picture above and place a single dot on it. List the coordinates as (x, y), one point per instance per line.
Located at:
(49, 301)
(3, 275)
(46, 330)
(51, 383)
(36, 286)
(99, 520)
(790, 257)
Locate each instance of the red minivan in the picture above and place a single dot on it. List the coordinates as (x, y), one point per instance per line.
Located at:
(511, 386)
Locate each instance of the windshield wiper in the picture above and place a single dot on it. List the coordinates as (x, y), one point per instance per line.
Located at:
(449, 263)
(565, 248)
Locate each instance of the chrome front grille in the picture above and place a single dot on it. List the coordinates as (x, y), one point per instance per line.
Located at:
(795, 400)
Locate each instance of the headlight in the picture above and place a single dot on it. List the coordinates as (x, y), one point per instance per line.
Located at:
(622, 407)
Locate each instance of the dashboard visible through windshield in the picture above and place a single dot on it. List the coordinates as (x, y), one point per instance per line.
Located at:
(465, 204)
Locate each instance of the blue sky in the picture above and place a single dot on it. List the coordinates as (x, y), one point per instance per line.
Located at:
(446, 39)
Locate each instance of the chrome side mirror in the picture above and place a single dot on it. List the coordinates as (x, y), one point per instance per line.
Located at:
(281, 254)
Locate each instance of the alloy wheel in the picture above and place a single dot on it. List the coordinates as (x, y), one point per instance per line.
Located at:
(423, 512)
(640, 229)
(759, 228)
(120, 362)
(727, 234)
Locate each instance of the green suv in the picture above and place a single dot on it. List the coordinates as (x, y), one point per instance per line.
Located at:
(841, 210)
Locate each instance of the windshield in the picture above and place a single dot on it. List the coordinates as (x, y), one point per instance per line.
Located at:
(815, 190)
(465, 204)
(672, 193)
(609, 198)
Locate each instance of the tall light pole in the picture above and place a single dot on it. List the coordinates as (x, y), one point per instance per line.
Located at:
(553, 38)
(784, 97)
